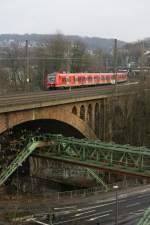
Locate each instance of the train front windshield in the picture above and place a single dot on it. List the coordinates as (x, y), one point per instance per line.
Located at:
(51, 77)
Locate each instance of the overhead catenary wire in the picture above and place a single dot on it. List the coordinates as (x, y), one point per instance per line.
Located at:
(43, 58)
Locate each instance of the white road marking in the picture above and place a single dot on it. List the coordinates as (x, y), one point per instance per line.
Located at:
(93, 207)
(144, 190)
(98, 206)
(141, 210)
(134, 204)
(102, 201)
(94, 218)
(143, 196)
(83, 217)
(67, 207)
(62, 211)
(39, 222)
(79, 214)
(66, 212)
(135, 213)
(111, 200)
(123, 195)
(140, 196)
(40, 214)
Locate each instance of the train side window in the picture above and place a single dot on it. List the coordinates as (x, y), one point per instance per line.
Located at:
(63, 80)
(66, 79)
(89, 79)
(79, 79)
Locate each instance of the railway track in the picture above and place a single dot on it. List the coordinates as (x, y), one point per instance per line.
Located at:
(41, 96)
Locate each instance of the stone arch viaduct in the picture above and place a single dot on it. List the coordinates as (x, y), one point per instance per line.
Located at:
(91, 116)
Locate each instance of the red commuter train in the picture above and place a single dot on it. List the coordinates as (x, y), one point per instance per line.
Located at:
(66, 80)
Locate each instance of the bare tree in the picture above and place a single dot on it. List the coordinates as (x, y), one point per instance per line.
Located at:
(16, 64)
(4, 79)
(78, 54)
(59, 53)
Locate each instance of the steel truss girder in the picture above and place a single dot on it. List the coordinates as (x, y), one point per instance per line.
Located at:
(95, 153)
(89, 153)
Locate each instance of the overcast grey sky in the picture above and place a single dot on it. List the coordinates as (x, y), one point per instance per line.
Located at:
(126, 20)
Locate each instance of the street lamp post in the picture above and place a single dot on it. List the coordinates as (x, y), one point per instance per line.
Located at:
(27, 84)
(115, 187)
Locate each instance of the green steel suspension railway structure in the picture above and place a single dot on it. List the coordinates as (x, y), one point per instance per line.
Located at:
(92, 154)
(145, 220)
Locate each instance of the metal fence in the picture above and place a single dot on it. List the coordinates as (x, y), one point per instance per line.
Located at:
(80, 193)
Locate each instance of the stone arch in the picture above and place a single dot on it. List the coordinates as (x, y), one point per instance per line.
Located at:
(74, 110)
(82, 112)
(89, 115)
(16, 118)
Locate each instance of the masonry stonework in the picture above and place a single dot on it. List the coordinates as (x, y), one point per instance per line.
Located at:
(105, 118)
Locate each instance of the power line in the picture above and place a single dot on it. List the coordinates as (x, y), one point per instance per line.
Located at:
(43, 58)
